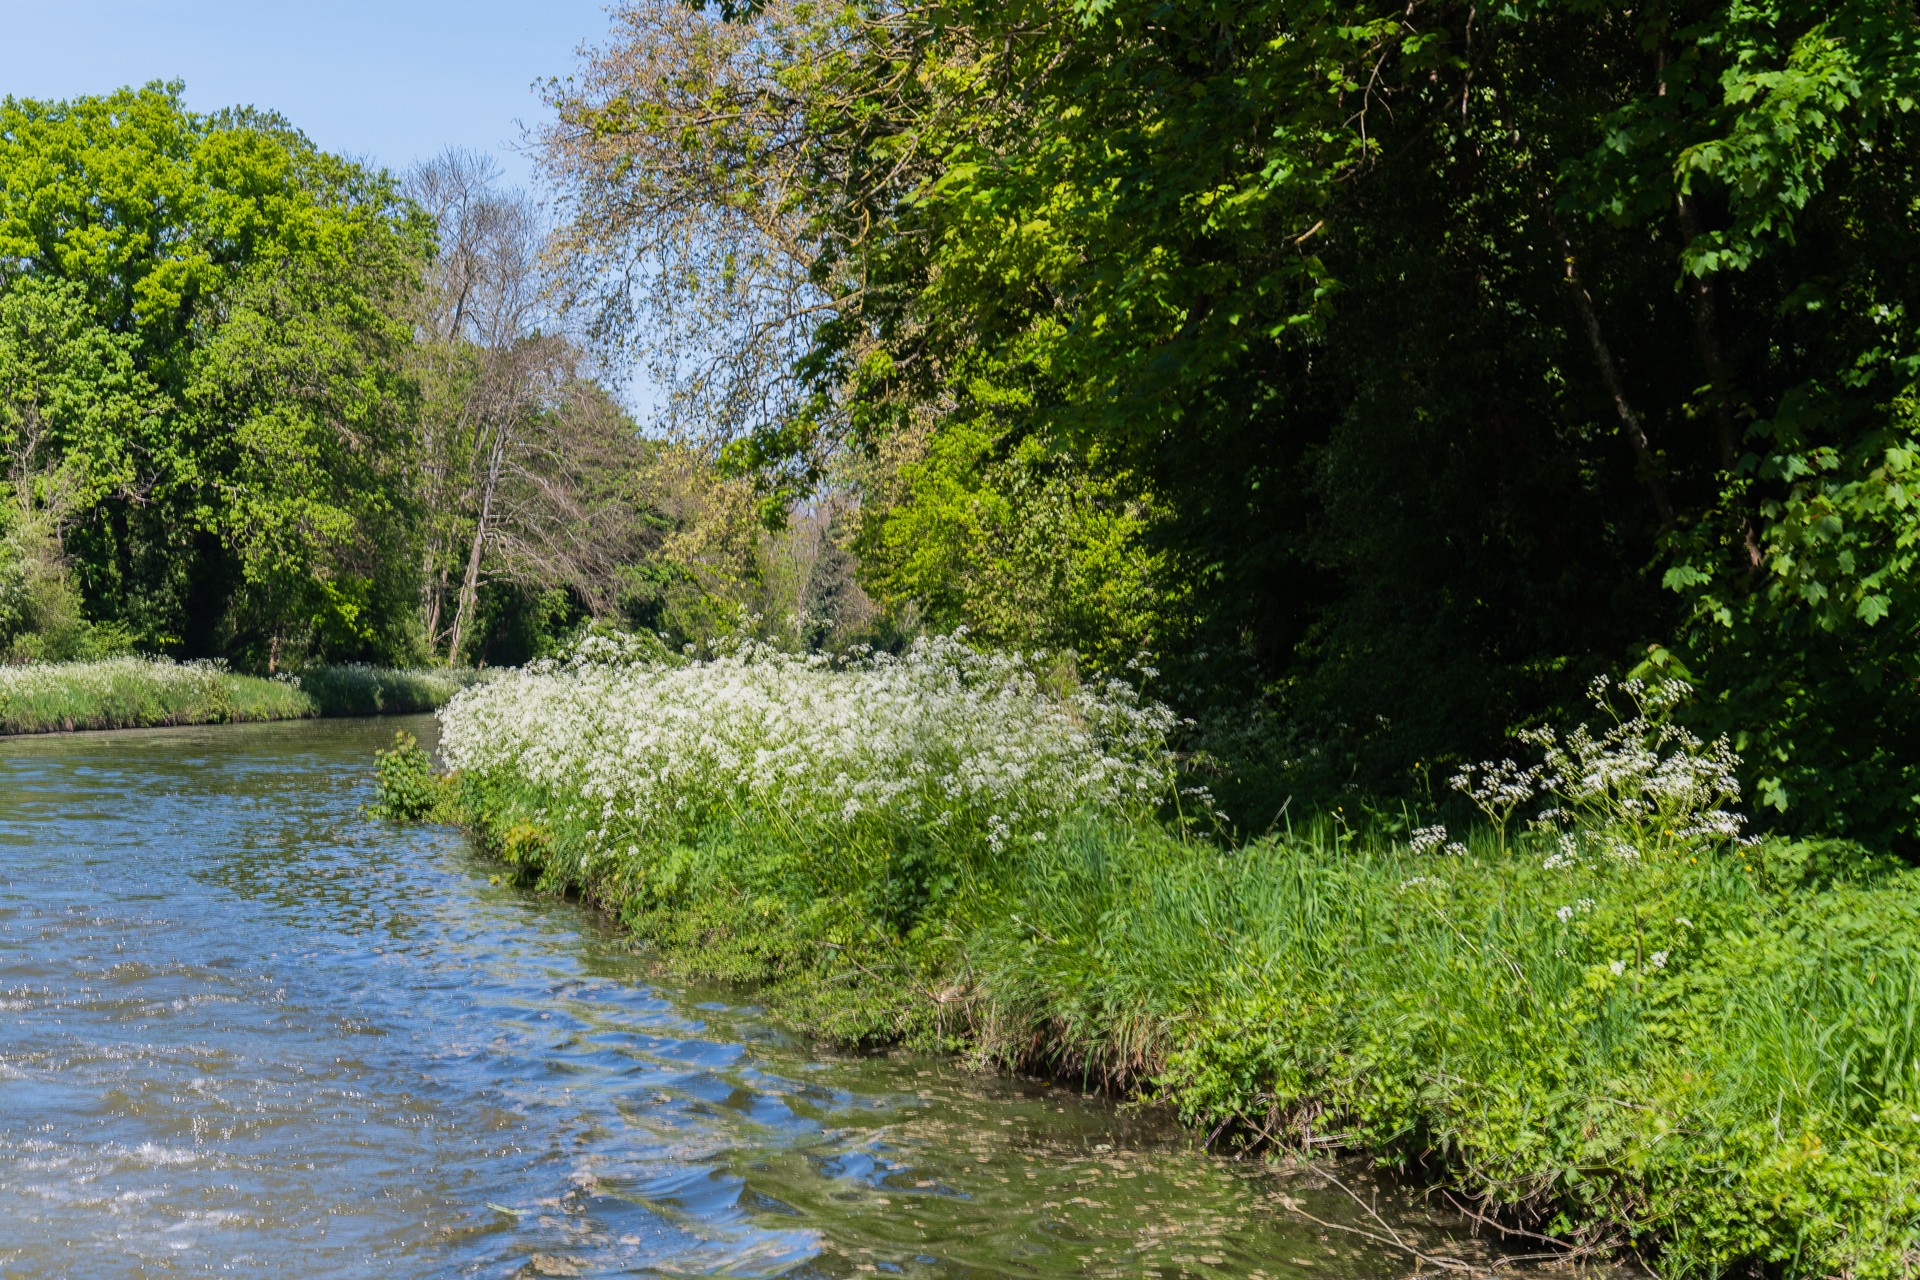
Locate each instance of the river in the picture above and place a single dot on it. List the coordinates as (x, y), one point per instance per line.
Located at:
(246, 1031)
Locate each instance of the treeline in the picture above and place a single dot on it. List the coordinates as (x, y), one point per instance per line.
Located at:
(1385, 372)
(1394, 369)
(264, 404)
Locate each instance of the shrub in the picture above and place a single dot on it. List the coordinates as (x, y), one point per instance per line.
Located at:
(356, 689)
(404, 784)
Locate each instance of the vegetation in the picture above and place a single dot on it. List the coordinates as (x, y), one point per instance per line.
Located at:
(1607, 1014)
(263, 405)
(197, 390)
(133, 693)
(1402, 368)
(1364, 379)
(1386, 374)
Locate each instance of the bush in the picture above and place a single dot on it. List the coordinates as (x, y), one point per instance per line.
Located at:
(355, 689)
(404, 785)
(41, 614)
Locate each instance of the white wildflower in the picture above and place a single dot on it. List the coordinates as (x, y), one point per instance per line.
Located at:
(941, 735)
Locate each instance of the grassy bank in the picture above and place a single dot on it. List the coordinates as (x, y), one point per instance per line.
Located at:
(1603, 1013)
(125, 693)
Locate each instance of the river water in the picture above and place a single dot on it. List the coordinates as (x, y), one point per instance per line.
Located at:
(245, 1031)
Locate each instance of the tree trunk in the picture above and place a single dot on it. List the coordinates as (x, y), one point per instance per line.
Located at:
(435, 592)
(470, 585)
(1645, 461)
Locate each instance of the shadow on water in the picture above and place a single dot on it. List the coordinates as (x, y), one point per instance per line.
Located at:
(249, 1032)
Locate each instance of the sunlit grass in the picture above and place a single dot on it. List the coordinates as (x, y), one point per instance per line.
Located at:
(136, 692)
(1706, 1054)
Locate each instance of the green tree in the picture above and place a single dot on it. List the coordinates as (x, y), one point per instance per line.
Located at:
(71, 406)
(259, 289)
(1412, 363)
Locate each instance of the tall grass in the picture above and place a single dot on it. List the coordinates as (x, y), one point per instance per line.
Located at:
(1604, 1011)
(135, 692)
(355, 689)
(1707, 1055)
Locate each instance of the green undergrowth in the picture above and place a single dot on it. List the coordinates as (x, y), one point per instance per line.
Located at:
(359, 690)
(1604, 1015)
(1714, 1061)
(128, 692)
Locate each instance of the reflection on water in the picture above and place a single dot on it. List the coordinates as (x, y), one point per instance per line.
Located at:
(246, 1031)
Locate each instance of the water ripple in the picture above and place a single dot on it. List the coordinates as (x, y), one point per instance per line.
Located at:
(246, 1031)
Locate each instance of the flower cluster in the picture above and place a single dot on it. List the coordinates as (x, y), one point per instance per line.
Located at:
(984, 749)
(1428, 839)
(1643, 783)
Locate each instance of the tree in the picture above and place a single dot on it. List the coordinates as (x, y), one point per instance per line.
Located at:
(257, 289)
(71, 405)
(529, 469)
(1416, 362)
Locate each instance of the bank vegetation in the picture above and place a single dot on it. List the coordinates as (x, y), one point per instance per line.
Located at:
(136, 693)
(1602, 1014)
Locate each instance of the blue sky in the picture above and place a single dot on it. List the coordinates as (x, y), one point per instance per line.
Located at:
(393, 81)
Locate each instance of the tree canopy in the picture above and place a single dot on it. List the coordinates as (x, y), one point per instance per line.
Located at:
(231, 301)
(1412, 363)
(1386, 372)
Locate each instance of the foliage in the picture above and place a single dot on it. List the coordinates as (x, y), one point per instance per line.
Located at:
(201, 322)
(42, 617)
(967, 753)
(670, 153)
(357, 689)
(1416, 364)
(134, 692)
(1605, 1014)
(1664, 1052)
(1032, 548)
(772, 809)
(129, 692)
(262, 404)
(404, 783)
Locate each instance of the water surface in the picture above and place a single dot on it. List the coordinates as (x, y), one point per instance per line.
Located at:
(245, 1031)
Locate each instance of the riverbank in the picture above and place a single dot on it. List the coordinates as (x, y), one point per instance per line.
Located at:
(130, 692)
(208, 906)
(1619, 1026)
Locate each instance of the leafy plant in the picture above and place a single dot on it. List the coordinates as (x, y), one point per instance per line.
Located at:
(404, 782)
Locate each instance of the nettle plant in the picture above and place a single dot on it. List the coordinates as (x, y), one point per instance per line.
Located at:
(1643, 785)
